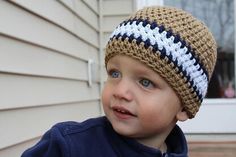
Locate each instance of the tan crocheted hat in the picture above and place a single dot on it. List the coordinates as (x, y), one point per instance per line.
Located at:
(174, 44)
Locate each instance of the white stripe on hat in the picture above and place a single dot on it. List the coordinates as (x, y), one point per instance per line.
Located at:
(178, 54)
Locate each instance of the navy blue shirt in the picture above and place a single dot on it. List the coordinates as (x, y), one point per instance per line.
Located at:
(96, 138)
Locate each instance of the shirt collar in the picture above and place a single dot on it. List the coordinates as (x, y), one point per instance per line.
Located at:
(176, 145)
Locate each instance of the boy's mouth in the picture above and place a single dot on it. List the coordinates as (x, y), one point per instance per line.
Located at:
(122, 113)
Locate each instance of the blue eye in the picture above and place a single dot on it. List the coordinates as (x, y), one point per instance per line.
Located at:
(114, 74)
(146, 83)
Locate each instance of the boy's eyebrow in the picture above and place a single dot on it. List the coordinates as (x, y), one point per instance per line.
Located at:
(112, 62)
(112, 65)
(144, 70)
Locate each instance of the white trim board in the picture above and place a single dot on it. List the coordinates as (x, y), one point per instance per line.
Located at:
(215, 116)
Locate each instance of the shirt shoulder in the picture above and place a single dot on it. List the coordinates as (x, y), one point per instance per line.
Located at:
(72, 127)
(71, 139)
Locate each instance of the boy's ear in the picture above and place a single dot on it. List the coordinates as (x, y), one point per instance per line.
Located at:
(182, 115)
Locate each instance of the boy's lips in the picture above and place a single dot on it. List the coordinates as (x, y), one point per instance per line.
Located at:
(122, 113)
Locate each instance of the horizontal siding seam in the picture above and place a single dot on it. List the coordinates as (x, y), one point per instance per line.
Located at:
(44, 47)
(18, 143)
(90, 7)
(63, 28)
(48, 105)
(41, 76)
(78, 16)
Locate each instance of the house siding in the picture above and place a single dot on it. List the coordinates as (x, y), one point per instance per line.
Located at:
(44, 51)
(45, 47)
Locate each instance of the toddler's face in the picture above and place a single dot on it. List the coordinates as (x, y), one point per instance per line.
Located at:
(137, 101)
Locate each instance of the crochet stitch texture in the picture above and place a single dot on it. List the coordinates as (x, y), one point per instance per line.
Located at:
(173, 43)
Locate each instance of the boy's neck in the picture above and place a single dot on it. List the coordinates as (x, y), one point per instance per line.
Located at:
(156, 141)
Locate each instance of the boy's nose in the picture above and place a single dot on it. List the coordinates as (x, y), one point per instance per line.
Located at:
(123, 90)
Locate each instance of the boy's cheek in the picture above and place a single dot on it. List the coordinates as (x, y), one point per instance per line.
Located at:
(106, 94)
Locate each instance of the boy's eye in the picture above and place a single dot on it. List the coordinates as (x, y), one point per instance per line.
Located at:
(114, 73)
(146, 83)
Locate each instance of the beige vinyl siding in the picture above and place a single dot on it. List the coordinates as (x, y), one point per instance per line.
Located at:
(118, 7)
(30, 91)
(30, 123)
(93, 4)
(45, 46)
(44, 49)
(16, 150)
(114, 12)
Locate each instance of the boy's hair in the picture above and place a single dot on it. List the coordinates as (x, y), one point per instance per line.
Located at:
(174, 44)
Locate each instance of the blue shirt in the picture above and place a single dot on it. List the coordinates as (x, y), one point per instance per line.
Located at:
(96, 138)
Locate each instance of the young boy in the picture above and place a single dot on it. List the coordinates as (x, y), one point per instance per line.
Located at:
(159, 63)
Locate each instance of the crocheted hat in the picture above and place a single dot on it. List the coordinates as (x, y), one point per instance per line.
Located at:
(173, 43)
